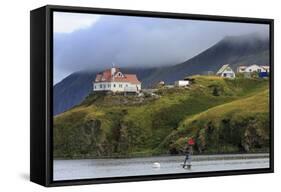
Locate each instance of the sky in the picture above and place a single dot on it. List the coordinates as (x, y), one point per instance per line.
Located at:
(94, 42)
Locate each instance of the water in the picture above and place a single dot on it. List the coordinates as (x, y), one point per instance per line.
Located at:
(99, 168)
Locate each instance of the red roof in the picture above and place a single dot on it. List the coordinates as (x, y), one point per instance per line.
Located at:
(106, 76)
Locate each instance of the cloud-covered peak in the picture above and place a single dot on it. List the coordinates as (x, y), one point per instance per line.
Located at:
(99, 40)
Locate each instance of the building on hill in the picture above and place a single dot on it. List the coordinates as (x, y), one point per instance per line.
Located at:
(266, 68)
(226, 72)
(253, 68)
(254, 71)
(114, 80)
(182, 83)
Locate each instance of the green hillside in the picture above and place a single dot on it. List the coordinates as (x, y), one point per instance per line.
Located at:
(222, 115)
(238, 126)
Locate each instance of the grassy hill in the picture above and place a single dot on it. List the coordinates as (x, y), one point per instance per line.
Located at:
(234, 50)
(238, 126)
(222, 115)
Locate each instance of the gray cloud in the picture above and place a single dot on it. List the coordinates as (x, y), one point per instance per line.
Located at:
(139, 42)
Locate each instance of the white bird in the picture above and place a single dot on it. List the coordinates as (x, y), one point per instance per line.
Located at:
(156, 165)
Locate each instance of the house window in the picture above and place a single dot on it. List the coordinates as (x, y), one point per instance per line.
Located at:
(104, 86)
(126, 85)
(100, 85)
(259, 70)
(108, 85)
(114, 85)
(120, 85)
(95, 87)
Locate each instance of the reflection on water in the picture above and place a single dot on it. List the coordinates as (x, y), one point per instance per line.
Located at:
(97, 168)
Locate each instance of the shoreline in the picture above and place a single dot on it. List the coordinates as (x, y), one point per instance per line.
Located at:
(196, 157)
(102, 168)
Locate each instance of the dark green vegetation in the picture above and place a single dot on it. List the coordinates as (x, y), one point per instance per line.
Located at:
(222, 115)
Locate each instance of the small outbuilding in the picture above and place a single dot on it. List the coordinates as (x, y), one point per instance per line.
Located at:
(182, 83)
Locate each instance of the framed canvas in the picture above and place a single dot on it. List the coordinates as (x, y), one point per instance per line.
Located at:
(122, 95)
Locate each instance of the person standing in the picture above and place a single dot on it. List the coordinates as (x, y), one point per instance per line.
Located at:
(188, 152)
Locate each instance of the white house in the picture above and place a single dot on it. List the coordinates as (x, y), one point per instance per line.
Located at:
(266, 68)
(226, 71)
(182, 83)
(253, 68)
(116, 81)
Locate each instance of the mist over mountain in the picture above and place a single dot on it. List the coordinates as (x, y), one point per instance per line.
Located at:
(234, 50)
(131, 41)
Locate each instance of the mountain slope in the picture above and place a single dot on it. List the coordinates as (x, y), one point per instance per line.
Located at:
(71, 91)
(236, 50)
(233, 50)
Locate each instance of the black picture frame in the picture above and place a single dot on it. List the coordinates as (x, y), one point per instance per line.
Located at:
(41, 117)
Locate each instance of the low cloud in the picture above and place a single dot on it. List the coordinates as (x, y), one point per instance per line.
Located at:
(69, 22)
(139, 42)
